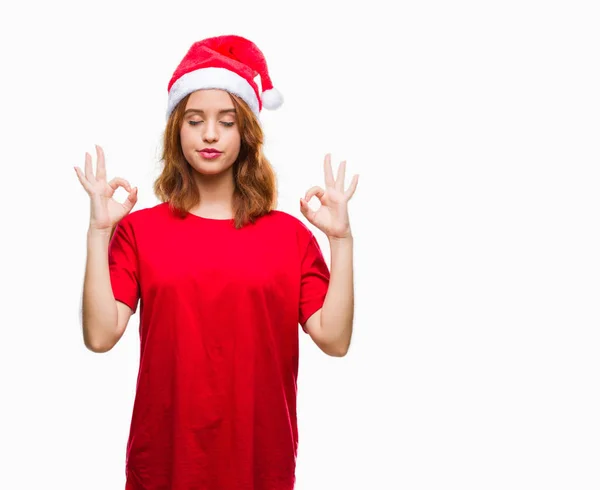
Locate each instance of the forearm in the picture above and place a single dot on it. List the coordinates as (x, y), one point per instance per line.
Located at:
(337, 314)
(99, 308)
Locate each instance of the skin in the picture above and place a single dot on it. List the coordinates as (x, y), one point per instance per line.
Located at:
(211, 128)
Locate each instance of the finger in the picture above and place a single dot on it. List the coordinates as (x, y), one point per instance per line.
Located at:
(131, 200)
(306, 211)
(350, 192)
(341, 177)
(118, 181)
(89, 171)
(329, 180)
(101, 164)
(86, 185)
(314, 191)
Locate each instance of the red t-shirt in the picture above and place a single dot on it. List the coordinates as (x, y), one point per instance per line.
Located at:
(215, 404)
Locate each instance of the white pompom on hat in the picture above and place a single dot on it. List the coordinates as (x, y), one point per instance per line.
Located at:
(228, 63)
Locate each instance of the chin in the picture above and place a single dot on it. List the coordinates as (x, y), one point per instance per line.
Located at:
(210, 170)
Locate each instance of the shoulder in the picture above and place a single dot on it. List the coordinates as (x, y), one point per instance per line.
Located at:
(141, 223)
(288, 225)
(146, 216)
(286, 220)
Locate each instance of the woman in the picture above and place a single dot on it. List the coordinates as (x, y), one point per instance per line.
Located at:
(222, 279)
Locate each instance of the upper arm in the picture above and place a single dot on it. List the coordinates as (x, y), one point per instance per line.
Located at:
(124, 313)
(123, 269)
(313, 328)
(314, 281)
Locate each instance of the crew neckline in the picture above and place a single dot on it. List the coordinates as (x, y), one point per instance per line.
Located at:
(195, 217)
(215, 220)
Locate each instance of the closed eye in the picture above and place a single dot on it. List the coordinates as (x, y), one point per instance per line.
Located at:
(226, 124)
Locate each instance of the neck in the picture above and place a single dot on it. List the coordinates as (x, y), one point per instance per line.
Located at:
(216, 195)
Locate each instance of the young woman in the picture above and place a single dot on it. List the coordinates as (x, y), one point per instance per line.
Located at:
(222, 280)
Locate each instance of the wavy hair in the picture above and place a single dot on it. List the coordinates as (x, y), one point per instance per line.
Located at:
(255, 182)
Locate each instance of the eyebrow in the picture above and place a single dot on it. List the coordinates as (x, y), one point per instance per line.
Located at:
(200, 111)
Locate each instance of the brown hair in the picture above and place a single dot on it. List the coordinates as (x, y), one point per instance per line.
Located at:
(255, 182)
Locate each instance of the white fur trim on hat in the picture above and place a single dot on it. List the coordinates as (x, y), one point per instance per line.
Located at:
(215, 78)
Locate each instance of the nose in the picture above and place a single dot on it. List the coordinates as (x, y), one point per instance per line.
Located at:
(210, 131)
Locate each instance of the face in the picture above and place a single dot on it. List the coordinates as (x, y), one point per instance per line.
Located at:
(209, 123)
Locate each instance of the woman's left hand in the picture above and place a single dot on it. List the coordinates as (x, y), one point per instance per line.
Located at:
(332, 216)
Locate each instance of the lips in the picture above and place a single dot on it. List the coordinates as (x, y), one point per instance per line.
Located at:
(209, 153)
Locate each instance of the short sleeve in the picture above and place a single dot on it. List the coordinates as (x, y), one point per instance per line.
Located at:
(314, 281)
(123, 264)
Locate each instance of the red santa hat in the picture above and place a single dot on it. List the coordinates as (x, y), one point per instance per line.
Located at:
(229, 63)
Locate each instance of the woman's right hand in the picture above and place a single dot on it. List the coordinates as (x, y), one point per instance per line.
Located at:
(105, 211)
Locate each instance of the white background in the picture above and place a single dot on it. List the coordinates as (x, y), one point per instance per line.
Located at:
(474, 127)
